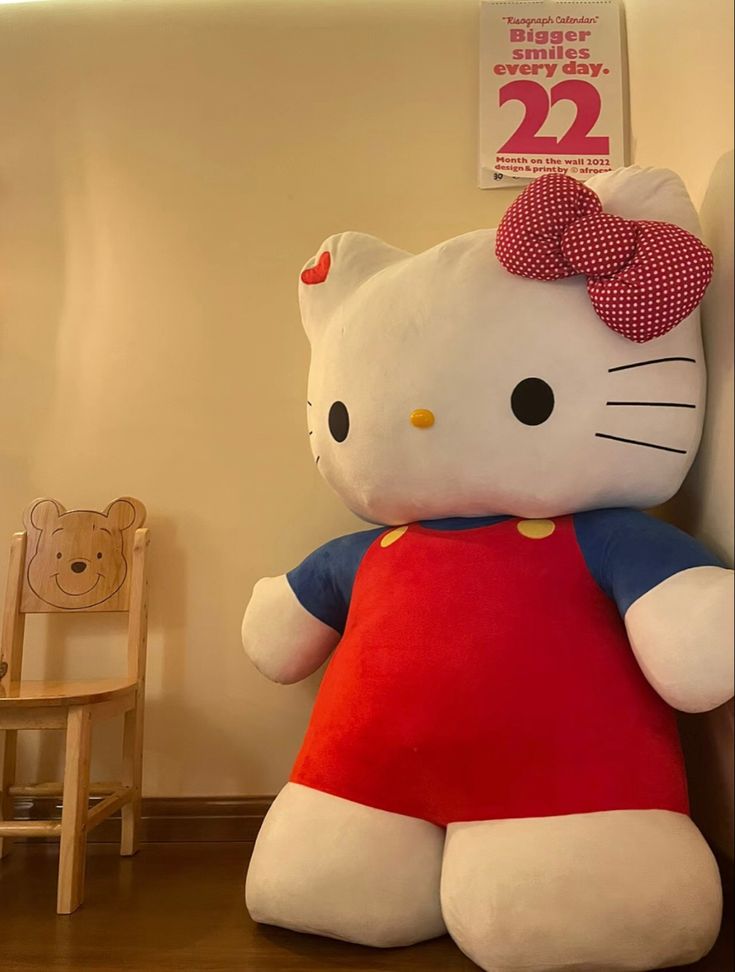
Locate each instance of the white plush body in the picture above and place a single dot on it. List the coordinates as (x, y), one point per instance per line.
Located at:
(452, 333)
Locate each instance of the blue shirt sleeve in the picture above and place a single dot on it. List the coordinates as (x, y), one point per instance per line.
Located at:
(629, 553)
(323, 582)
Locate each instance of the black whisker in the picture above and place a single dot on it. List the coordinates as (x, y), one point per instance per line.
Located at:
(642, 364)
(310, 432)
(316, 461)
(308, 403)
(648, 445)
(656, 404)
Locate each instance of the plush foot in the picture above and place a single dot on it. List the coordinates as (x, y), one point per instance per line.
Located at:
(622, 891)
(331, 867)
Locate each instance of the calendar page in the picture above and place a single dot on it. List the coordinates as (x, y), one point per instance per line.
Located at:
(552, 89)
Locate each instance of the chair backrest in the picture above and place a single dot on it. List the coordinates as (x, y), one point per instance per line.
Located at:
(77, 561)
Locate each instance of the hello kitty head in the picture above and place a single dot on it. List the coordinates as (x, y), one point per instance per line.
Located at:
(441, 384)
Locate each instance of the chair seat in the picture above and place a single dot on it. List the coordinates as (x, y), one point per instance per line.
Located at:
(33, 694)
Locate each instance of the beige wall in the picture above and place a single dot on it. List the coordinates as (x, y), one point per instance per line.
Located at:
(164, 171)
(682, 116)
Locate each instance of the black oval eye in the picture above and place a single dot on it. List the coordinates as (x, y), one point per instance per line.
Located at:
(99, 556)
(532, 401)
(58, 556)
(339, 421)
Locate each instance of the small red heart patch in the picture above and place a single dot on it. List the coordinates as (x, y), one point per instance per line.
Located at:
(318, 273)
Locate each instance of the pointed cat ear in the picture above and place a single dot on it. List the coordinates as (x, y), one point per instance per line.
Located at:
(341, 264)
(646, 193)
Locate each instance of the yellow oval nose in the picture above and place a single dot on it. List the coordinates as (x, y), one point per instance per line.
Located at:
(422, 418)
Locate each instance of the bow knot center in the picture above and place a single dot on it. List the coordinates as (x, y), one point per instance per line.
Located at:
(600, 245)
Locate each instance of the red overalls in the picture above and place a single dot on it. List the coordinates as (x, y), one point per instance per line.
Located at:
(483, 674)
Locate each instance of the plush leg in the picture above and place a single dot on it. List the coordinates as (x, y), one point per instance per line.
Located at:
(331, 867)
(625, 890)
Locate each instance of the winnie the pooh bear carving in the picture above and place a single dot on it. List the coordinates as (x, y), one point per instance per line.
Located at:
(79, 559)
(493, 749)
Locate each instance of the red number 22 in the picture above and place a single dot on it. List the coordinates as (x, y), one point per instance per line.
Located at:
(538, 104)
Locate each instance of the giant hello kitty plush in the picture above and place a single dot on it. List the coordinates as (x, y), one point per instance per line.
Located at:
(493, 751)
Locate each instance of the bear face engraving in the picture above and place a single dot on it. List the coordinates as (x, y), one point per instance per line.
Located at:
(79, 559)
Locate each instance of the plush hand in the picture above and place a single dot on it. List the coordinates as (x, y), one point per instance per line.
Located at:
(281, 638)
(682, 635)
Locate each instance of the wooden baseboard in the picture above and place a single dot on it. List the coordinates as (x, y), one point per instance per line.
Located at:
(165, 819)
(196, 819)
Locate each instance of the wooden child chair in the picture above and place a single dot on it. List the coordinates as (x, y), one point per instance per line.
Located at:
(76, 561)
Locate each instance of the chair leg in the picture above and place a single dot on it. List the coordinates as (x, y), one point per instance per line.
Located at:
(75, 809)
(132, 777)
(8, 754)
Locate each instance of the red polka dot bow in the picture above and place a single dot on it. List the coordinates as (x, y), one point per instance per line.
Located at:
(643, 277)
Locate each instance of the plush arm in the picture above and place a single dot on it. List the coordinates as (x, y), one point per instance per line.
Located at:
(675, 597)
(280, 637)
(681, 632)
(293, 622)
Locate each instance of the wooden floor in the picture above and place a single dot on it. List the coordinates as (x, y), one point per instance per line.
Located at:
(180, 906)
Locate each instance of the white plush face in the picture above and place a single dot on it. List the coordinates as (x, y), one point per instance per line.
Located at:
(531, 395)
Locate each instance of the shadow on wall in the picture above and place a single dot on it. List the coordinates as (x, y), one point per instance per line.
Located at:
(704, 507)
(34, 288)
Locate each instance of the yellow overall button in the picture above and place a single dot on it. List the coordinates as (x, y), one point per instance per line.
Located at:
(536, 529)
(391, 537)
